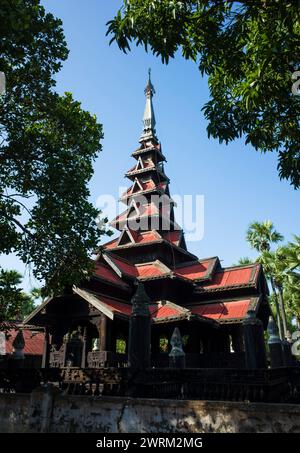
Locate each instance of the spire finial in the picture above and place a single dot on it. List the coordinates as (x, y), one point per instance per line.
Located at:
(149, 117)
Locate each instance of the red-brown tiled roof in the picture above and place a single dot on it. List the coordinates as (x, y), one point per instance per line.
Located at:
(116, 305)
(165, 311)
(107, 274)
(125, 266)
(239, 276)
(147, 236)
(146, 166)
(157, 310)
(111, 244)
(173, 236)
(146, 185)
(198, 270)
(34, 342)
(141, 271)
(154, 269)
(139, 238)
(222, 310)
(146, 210)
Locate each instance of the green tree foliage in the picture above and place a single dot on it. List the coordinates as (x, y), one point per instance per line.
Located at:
(261, 235)
(15, 304)
(248, 50)
(47, 147)
(282, 267)
(244, 261)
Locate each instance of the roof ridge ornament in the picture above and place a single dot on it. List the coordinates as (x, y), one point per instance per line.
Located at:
(149, 117)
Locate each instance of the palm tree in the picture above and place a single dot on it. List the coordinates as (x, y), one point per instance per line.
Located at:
(275, 266)
(244, 261)
(261, 235)
(290, 264)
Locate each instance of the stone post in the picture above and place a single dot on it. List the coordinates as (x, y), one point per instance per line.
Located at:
(287, 353)
(139, 356)
(18, 350)
(177, 354)
(255, 353)
(274, 343)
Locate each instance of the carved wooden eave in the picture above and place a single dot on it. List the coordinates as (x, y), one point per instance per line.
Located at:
(95, 300)
(37, 310)
(158, 241)
(150, 149)
(155, 190)
(132, 173)
(214, 264)
(184, 314)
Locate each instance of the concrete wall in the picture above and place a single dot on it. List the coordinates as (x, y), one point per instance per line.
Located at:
(49, 411)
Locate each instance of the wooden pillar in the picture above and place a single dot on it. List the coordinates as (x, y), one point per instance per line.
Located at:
(139, 356)
(105, 333)
(275, 345)
(45, 359)
(193, 345)
(237, 339)
(102, 333)
(83, 354)
(155, 335)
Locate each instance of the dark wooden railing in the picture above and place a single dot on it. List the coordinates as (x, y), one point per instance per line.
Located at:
(216, 360)
(269, 385)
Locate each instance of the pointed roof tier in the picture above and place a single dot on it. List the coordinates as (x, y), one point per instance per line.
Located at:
(150, 147)
(148, 168)
(144, 188)
(148, 228)
(144, 217)
(148, 222)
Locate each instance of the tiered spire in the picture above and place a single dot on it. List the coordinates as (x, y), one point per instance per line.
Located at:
(149, 217)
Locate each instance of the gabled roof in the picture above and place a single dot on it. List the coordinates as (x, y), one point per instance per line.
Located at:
(109, 306)
(160, 311)
(144, 237)
(106, 274)
(147, 168)
(144, 211)
(199, 270)
(153, 147)
(225, 310)
(233, 277)
(144, 188)
(143, 271)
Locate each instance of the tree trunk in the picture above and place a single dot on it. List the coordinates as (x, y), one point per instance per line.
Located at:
(281, 302)
(278, 317)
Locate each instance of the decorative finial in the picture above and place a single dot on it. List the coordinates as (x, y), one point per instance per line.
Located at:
(273, 332)
(149, 117)
(149, 90)
(140, 301)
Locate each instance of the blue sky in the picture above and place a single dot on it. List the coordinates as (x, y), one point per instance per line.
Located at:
(239, 184)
